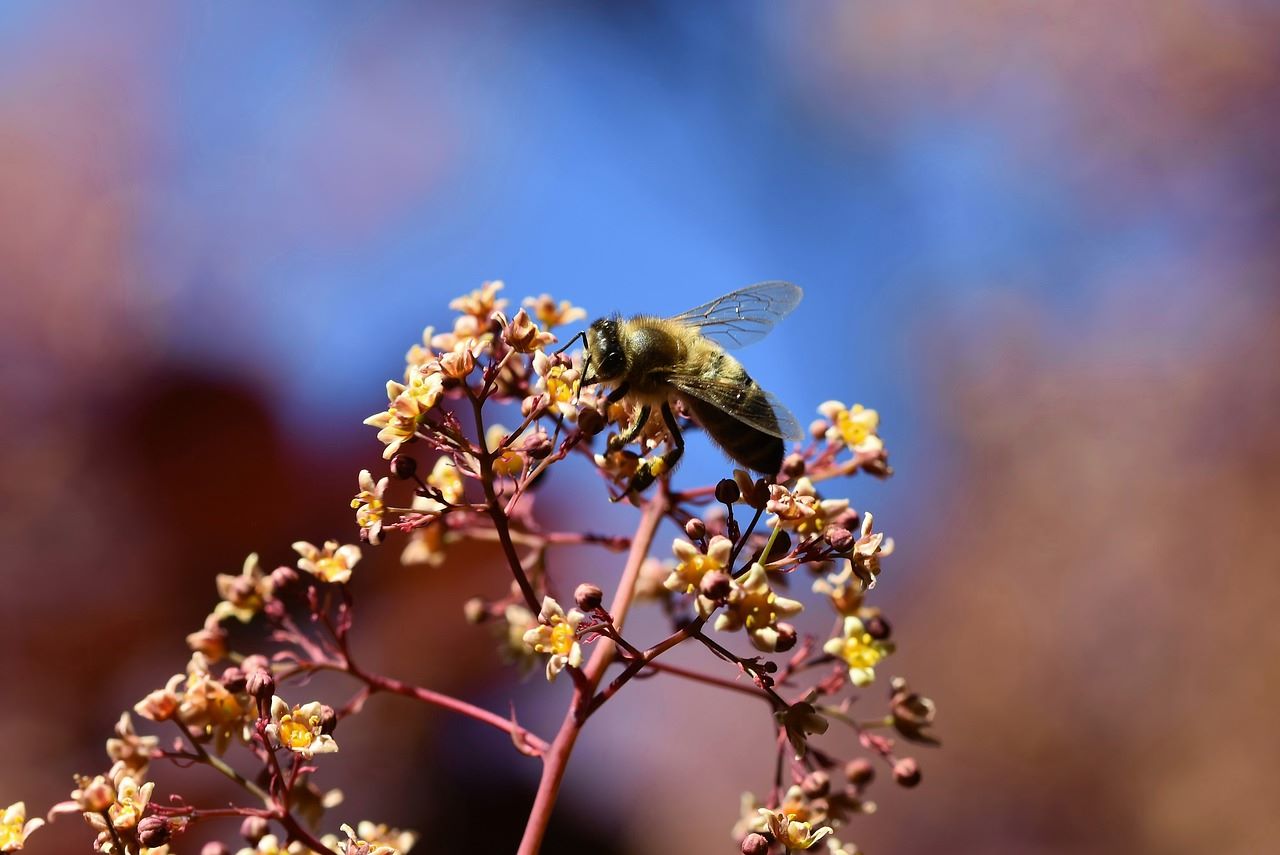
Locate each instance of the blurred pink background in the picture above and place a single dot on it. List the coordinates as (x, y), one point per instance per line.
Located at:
(1039, 238)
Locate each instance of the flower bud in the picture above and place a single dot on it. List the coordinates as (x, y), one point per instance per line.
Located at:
(838, 538)
(328, 719)
(590, 422)
(404, 467)
(260, 684)
(215, 848)
(755, 844)
(877, 627)
(906, 772)
(475, 610)
(588, 597)
(283, 576)
(233, 678)
(787, 637)
(537, 445)
(818, 428)
(696, 529)
(793, 466)
(253, 829)
(816, 784)
(532, 404)
(727, 491)
(848, 519)
(859, 772)
(154, 831)
(715, 585)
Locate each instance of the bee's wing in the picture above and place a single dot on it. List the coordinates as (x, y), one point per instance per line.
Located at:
(743, 316)
(764, 412)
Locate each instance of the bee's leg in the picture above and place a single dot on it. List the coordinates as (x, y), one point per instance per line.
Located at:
(650, 470)
(619, 393)
(617, 442)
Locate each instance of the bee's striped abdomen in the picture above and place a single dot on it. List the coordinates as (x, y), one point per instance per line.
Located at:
(747, 445)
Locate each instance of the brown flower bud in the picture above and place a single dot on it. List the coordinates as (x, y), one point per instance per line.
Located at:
(755, 844)
(860, 772)
(848, 519)
(154, 831)
(404, 467)
(328, 719)
(253, 829)
(839, 538)
(532, 404)
(877, 627)
(727, 491)
(696, 529)
(590, 422)
(793, 466)
(787, 637)
(537, 445)
(475, 610)
(906, 772)
(715, 585)
(818, 428)
(816, 784)
(260, 684)
(588, 596)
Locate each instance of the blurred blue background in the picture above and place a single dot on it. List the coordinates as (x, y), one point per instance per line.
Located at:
(1037, 237)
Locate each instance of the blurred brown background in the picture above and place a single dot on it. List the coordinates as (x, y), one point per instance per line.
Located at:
(1038, 237)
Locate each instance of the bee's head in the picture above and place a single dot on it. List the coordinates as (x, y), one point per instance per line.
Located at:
(606, 358)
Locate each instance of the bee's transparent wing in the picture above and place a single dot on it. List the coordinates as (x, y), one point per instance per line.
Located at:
(743, 316)
(757, 408)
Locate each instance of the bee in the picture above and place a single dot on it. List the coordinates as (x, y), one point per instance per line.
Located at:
(655, 361)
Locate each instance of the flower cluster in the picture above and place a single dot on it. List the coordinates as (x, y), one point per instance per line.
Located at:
(451, 472)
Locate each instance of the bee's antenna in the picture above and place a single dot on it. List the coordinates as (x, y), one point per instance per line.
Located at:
(568, 344)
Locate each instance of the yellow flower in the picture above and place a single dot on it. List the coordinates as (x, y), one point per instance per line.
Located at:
(369, 506)
(550, 315)
(859, 650)
(243, 595)
(510, 462)
(299, 728)
(559, 382)
(15, 827)
(523, 336)
(482, 302)
(269, 844)
(517, 620)
(445, 478)
(855, 427)
(380, 839)
(801, 510)
(867, 552)
(209, 709)
(845, 595)
(401, 420)
(426, 543)
(131, 802)
(557, 635)
(461, 359)
(753, 606)
(129, 749)
(790, 832)
(692, 565)
(162, 704)
(332, 564)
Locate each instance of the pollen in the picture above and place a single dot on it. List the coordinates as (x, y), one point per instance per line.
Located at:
(295, 735)
(562, 639)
